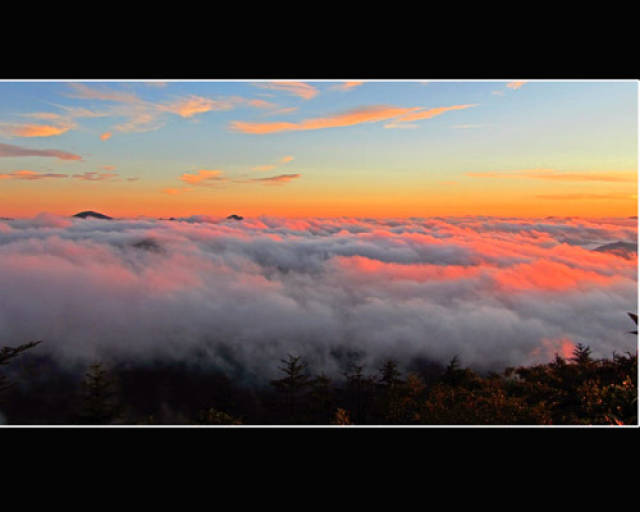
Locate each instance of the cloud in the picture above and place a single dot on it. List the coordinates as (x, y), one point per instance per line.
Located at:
(203, 176)
(571, 197)
(105, 136)
(82, 91)
(300, 89)
(516, 85)
(425, 114)
(553, 175)
(34, 130)
(270, 167)
(346, 86)
(176, 191)
(25, 174)
(370, 114)
(495, 291)
(192, 105)
(10, 151)
(281, 111)
(263, 168)
(276, 180)
(142, 115)
(95, 176)
(261, 103)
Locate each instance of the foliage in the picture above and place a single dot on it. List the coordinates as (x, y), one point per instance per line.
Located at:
(580, 390)
(99, 404)
(7, 354)
(213, 417)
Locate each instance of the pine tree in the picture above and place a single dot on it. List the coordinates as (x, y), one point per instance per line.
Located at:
(388, 396)
(293, 384)
(581, 355)
(99, 405)
(359, 389)
(7, 354)
(321, 399)
(389, 375)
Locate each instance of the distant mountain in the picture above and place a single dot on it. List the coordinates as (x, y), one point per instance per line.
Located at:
(233, 216)
(623, 249)
(95, 215)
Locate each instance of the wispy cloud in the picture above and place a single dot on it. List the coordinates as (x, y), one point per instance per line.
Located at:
(142, 115)
(369, 114)
(346, 86)
(25, 174)
(261, 103)
(299, 89)
(516, 85)
(553, 175)
(34, 130)
(270, 167)
(203, 176)
(95, 176)
(281, 111)
(192, 105)
(9, 150)
(105, 136)
(176, 191)
(263, 167)
(569, 197)
(277, 180)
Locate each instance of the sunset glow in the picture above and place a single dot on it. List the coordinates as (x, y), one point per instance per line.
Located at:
(355, 148)
(223, 225)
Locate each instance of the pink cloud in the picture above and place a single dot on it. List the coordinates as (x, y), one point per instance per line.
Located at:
(352, 117)
(276, 180)
(300, 89)
(29, 175)
(516, 85)
(203, 176)
(9, 151)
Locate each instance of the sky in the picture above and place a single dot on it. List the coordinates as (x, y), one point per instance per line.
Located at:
(319, 148)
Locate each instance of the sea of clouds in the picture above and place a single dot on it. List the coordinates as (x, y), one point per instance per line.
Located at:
(243, 294)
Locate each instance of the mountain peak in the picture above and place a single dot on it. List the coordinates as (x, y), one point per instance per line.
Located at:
(95, 215)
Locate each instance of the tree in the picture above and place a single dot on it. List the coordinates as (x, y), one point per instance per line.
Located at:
(581, 355)
(389, 384)
(359, 390)
(454, 375)
(99, 404)
(633, 317)
(292, 385)
(7, 354)
(389, 374)
(320, 399)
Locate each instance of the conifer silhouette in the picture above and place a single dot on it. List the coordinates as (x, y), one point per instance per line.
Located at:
(7, 354)
(292, 385)
(99, 404)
